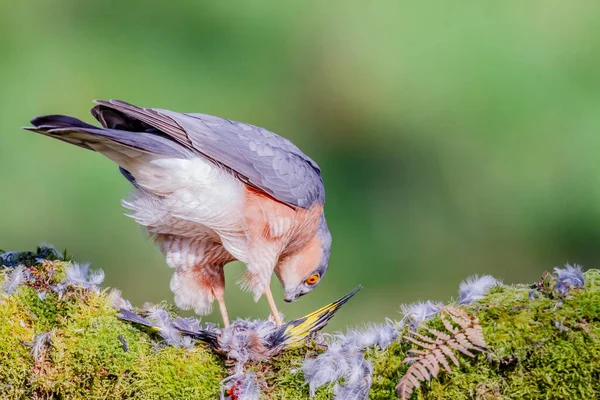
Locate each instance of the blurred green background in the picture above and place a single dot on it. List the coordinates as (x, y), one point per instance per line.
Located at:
(454, 138)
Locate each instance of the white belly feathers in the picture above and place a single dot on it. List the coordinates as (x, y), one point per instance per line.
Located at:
(189, 197)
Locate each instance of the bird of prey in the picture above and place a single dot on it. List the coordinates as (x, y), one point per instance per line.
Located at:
(210, 191)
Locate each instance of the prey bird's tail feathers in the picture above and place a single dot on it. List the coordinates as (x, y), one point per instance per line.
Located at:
(127, 315)
(206, 336)
(294, 332)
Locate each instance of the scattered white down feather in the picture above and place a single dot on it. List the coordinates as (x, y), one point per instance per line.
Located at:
(417, 313)
(345, 369)
(327, 368)
(343, 364)
(357, 382)
(39, 344)
(14, 279)
(382, 335)
(161, 319)
(571, 276)
(475, 288)
(115, 297)
(80, 275)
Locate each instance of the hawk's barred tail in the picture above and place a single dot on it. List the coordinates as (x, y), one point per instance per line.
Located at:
(79, 133)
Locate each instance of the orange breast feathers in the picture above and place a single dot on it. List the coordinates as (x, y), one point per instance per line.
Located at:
(273, 221)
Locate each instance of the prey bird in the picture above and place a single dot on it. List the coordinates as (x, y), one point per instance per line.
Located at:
(261, 339)
(210, 191)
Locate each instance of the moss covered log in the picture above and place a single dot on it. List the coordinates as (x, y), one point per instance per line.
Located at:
(542, 343)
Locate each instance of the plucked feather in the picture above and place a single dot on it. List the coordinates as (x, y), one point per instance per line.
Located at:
(475, 287)
(417, 313)
(13, 280)
(571, 276)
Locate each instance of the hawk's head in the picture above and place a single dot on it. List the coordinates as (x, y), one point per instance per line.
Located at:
(301, 272)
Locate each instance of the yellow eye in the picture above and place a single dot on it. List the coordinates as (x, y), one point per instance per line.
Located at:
(313, 279)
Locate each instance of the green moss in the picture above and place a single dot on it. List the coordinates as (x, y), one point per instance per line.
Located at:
(15, 358)
(179, 374)
(285, 380)
(86, 358)
(387, 370)
(547, 348)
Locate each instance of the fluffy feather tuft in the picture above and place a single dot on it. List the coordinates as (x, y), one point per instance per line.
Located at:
(416, 313)
(382, 335)
(344, 362)
(115, 296)
(14, 279)
(475, 288)
(571, 276)
(357, 382)
(80, 275)
(39, 344)
(161, 319)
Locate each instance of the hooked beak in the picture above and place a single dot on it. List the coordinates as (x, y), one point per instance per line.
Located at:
(291, 296)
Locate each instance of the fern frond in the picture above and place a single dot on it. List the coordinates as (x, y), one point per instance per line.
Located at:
(446, 350)
(424, 344)
(460, 345)
(461, 317)
(441, 336)
(437, 348)
(441, 359)
(447, 324)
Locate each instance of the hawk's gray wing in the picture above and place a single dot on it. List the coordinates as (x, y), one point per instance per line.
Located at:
(259, 157)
